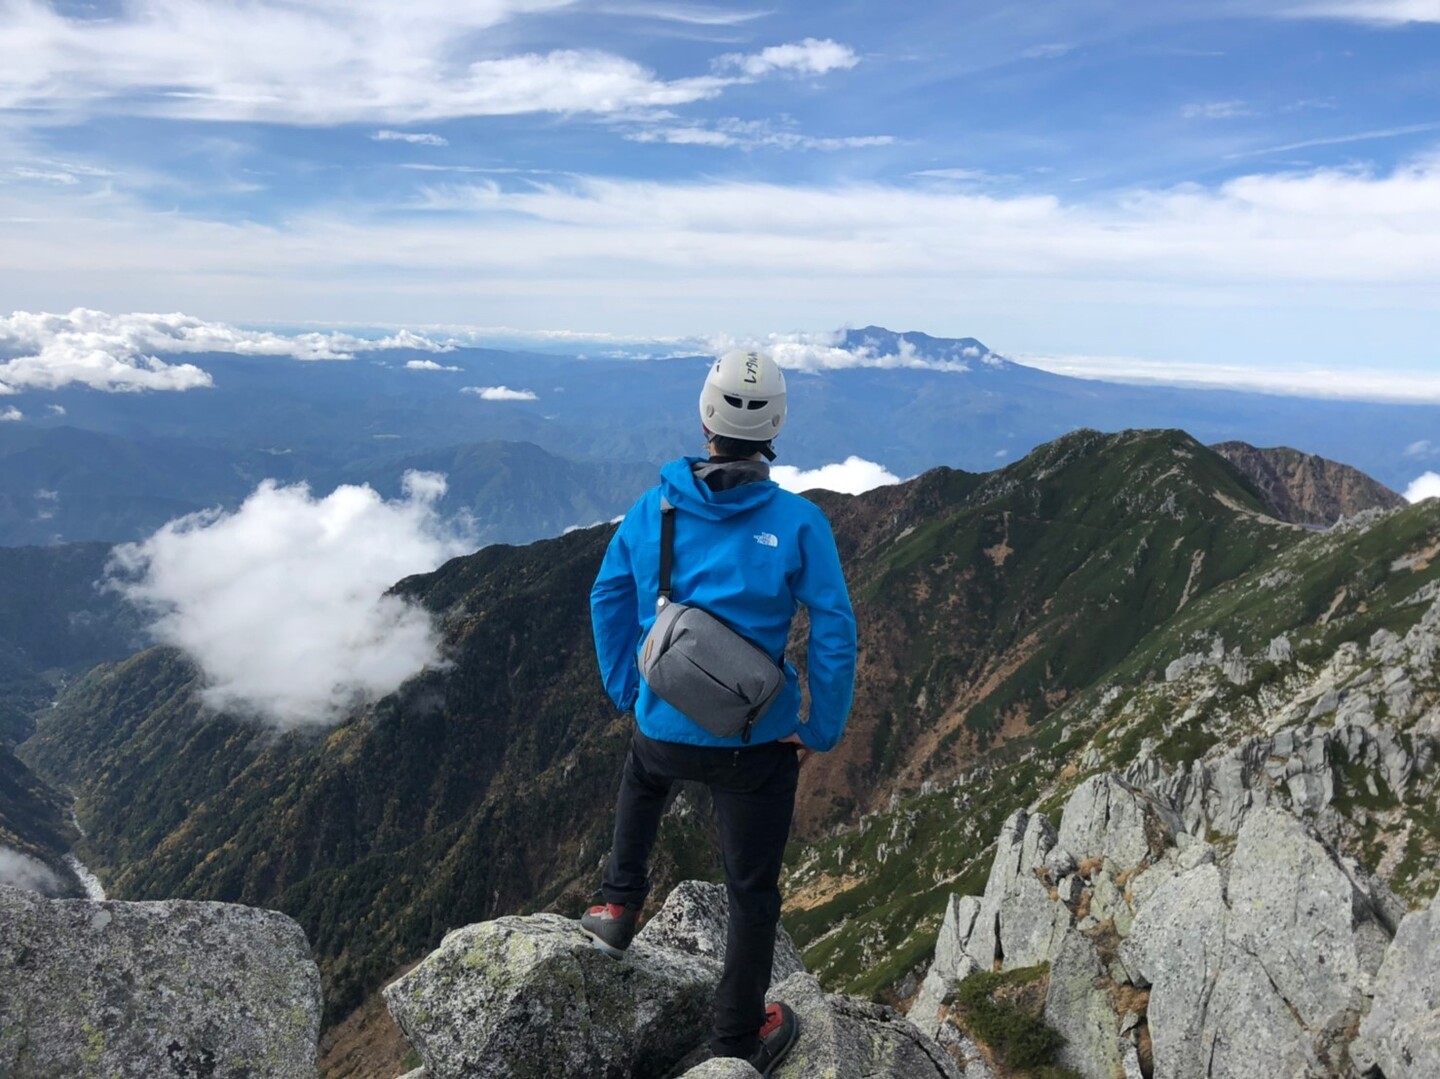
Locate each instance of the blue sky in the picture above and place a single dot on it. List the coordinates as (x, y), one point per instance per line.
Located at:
(1238, 186)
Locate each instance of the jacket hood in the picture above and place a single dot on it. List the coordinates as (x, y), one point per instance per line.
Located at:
(689, 493)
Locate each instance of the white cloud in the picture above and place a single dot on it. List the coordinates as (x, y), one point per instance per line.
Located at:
(853, 476)
(65, 179)
(966, 176)
(1216, 110)
(57, 410)
(311, 62)
(1334, 241)
(1338, 140)
(733, 133)
(1381, 12)
(1423, 448)
(46, 502)
(1324, 225)
(117, 353)
(824, 352)
(499, 393)
(813, 56)
(1048, 52)
(1369, 385)
(282, 604)
(428, 365)
(1425, 486)
(690, 14)
(21, 871)
(414, 138)
(11, 415)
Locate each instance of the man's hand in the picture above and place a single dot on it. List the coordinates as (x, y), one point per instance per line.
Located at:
(805, 750)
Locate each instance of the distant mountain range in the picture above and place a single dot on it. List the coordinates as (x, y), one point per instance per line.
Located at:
(114, 467)
(987, 603)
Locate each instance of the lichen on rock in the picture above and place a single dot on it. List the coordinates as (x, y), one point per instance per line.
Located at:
(142, 990)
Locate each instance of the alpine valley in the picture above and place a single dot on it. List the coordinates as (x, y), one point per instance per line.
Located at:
(1089, 679)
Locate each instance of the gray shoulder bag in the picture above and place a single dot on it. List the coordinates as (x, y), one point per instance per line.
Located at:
(701, 666)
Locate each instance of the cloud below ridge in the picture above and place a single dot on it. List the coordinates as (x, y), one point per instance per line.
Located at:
(281, 603)
(823, 352)
(21, 871)
(852, 476)
(500, 393)
(1426, 485)
(116, 353)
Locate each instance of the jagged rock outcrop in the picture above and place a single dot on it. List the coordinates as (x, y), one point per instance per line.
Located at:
(1266, 973)
(531, 996)
(693, 921)
(1170, 956)
(1402, 1032)
(845, 1038)
(1307, 489)
(142, 990)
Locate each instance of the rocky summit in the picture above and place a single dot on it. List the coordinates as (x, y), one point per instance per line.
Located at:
(531, 997)
(143, 990)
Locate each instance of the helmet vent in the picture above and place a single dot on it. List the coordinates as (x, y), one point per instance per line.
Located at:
(753, 405)
(734, 402)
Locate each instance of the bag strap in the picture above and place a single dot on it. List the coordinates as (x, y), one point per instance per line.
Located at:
(667, 551)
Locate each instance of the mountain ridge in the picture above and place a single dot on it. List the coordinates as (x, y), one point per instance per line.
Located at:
(409, 817)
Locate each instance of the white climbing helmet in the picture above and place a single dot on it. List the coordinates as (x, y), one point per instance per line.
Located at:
(744, 397)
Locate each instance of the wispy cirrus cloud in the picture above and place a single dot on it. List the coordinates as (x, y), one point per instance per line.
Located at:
(1050, 51)
(1340, 140)
(689, 14)
(203, 60)
(1375, 12)
(398, 64)
(1216, 110)
(414, 138)
(733, 133)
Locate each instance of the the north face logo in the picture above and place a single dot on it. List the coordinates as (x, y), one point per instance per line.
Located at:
(765, 539)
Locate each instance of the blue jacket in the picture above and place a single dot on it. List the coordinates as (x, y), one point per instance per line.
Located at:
(748, 556)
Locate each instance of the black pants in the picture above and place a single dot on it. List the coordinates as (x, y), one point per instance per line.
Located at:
(754, 794)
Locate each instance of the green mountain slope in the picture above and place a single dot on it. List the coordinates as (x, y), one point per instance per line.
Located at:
(987, 603)
(1287, 647)
(56, 622)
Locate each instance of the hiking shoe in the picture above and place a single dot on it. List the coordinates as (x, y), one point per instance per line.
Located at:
(777, 1036)
(611, 927)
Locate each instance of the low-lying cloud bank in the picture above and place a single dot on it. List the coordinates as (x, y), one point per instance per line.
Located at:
(281, 603)
(853, 476)
(118, 353)
(21, 871)
(500, 393)
(1425, 486)
(826, 352)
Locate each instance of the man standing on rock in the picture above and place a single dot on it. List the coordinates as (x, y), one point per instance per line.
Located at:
(745, 552)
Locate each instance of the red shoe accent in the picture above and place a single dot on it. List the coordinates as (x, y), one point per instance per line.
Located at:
(773, 1018)
(615, 910)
